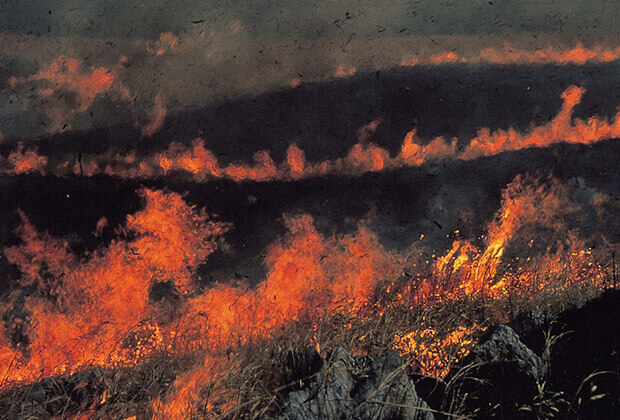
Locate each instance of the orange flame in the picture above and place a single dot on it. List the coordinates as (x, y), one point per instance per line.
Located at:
(363, 157)
(95, 302)
(66, 73)
(510, 55)
(167, 42)
(434, 355)
(25, 161)
(344, 70)
(308, 271)
(95, 310)
(157, 117)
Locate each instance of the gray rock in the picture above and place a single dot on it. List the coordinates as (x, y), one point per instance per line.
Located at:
(503, 345)
(531, 327)
(529, 322)
(329, 394)
(358, 388)
(385, 391)
(496, 378)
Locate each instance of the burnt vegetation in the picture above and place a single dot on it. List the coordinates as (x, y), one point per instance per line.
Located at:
(451, 289)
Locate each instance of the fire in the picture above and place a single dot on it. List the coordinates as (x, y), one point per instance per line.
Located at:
(89, 307)
(69, 311)
(561, 128)
(24, 161)
(99, 314)
(101, 225)
(67, 73)
(301, 268)
(167, 42)
(156, 118)
(511, 55)
(201, 163)
(190, 389)
(434, 355)
(68, 86)
(306, 271)
(344, 70)
(528, 206)
(95, 310)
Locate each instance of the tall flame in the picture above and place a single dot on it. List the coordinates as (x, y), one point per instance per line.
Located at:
(301, 273)
(96, 310)
(86, 306)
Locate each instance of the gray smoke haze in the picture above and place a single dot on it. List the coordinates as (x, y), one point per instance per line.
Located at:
(300, 19)
(167, 56)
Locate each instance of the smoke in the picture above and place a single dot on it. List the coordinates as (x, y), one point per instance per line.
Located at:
(67, 87)
(299, 19)
(194, 54)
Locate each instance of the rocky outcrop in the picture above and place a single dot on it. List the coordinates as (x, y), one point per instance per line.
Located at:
(501, 345)
(502, 374)
(357, 388)
(497, 378)
(531, 327)
(501, 377)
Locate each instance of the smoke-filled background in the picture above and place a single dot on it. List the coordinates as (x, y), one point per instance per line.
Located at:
(138, 61)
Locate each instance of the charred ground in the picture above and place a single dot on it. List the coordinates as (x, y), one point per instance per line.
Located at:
(323, 117)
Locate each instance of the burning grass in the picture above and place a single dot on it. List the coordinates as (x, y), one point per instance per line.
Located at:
(248, 381)
(223, 349)
(200, 163)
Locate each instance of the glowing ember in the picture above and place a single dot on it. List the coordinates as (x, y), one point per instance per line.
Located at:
(435, 355)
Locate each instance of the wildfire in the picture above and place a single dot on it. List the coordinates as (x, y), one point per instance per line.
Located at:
(344, 70)
(511, 55)
(95, 310)
(68, 87)
(202, 164)
(156, 118)
(88, 309)
(25, 161)
(434, 355)
(67, 73)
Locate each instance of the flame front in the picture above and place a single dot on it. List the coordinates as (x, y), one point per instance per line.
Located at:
(95, 310)
(202, 164)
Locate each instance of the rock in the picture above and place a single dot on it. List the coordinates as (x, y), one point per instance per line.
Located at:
(357, 388)
(302, 365)
(497, 377)
(531, 327)
(530, 321)
(431, 390)
(384, 391)
(329, 394)
(502, 345)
